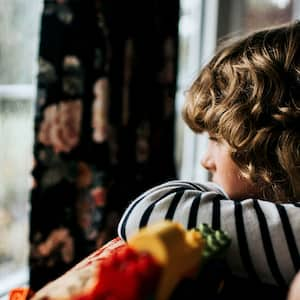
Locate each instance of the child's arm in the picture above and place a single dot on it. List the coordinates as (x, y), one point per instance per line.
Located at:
(264, 240)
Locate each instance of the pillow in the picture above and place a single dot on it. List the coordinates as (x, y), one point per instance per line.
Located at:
(162, 261)
(82, 278)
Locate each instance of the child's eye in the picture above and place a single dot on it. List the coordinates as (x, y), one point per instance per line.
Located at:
(213, 138)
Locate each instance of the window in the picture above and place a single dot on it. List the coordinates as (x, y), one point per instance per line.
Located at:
(19, 28)
(265, 13)
(197, 40)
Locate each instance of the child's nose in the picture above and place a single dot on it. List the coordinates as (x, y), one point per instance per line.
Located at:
(207, 162)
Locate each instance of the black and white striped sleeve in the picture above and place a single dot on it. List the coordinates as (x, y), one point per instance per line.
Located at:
(265, 244)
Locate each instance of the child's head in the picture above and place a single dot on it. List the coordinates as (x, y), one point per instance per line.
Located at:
(248, 96)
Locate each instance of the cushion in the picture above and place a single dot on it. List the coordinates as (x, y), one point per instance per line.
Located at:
(82, 278)
(162, 262)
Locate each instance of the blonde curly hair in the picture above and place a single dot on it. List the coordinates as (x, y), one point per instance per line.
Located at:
(249, 95)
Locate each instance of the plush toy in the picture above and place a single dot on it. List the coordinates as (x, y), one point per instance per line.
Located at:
(161, 262)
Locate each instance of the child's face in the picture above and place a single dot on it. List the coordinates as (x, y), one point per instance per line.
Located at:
(225, 172)
(294, 291)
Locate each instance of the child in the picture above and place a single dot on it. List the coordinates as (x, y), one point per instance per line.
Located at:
(294, 292)
(247, 98)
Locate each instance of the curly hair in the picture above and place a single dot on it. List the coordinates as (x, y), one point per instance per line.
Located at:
(249, 95)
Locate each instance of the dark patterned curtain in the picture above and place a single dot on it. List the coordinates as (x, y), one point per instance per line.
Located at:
(143, 36)
(104, 122)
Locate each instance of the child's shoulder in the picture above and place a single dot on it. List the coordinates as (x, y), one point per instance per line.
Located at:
(206, 186)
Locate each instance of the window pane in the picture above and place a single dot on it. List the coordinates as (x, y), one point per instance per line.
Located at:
(19, 34)
(265, 13)
(19, 26)
(16, 131)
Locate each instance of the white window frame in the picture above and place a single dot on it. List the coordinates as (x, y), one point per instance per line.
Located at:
(18, 91)
(296, 10)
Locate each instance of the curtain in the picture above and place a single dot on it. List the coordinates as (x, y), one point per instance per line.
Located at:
(104, 119)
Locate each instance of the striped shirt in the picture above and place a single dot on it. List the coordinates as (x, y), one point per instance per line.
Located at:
(265, 236)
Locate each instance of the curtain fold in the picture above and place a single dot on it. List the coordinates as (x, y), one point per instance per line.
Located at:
(104, 119)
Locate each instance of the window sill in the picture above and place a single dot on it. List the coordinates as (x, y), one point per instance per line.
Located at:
(18, 278)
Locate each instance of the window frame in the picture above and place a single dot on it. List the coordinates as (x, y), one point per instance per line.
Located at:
(189, 146)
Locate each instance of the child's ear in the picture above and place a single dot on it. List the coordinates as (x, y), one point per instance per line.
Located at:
(294, 291)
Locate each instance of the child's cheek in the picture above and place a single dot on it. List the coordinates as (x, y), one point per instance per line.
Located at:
(294, 292)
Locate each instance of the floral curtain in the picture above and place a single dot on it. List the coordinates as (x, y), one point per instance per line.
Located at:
(103, 124)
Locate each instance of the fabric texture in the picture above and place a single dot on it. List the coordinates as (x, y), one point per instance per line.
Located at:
(264, 235)
(103, 122)
(82, 278)
(161, 262)
(71, 163)
(144, 44)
